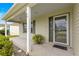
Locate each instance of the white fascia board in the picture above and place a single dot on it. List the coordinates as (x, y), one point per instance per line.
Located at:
(12, 10)
(3, 18)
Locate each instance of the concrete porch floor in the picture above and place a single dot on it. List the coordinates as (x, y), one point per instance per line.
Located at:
(45, 49)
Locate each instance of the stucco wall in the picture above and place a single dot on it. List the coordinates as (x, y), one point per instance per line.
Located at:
(42, 23)
(76, 29)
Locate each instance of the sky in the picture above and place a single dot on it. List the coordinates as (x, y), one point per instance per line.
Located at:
(4, 7)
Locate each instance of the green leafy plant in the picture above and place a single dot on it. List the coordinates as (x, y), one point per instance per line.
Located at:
(2, 32)
(38, 39)
(5, 46)
(3, 38)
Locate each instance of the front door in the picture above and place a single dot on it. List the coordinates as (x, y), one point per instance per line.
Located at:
(60, 29)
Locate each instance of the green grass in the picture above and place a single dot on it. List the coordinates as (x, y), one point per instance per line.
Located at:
(11, 36)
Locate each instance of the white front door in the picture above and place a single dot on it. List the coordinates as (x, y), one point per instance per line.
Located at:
(61, 29)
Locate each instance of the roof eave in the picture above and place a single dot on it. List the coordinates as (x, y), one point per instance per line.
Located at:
(4, 17)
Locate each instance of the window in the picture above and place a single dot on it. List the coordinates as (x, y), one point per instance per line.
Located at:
(24, 27)
(32, 27)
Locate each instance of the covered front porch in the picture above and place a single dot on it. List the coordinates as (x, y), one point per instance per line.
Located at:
(45, 49)
(41, 14)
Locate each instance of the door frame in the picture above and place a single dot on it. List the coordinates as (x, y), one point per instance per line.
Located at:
(54, 42)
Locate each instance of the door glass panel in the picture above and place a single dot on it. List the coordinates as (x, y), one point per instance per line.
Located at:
(60, 29)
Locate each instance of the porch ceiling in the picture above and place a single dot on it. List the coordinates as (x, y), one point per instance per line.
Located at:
(43, 8)
(40, 9)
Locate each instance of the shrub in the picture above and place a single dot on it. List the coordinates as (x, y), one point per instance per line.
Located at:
(5, 46)
(3, 38)
(2, 32)
(38, 39)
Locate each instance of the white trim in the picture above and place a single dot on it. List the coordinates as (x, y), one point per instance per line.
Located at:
(67, 29)
(70, 28)
(8, 11)
(53, 30)
(66, 32)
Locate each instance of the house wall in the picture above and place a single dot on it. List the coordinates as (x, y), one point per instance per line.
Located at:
(42, 23)
(21, 28)
(76, 29)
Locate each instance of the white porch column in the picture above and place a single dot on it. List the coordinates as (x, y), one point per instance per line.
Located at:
(5, 28)
(28, 20)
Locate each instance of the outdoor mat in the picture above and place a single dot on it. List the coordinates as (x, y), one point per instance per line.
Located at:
(61, 47)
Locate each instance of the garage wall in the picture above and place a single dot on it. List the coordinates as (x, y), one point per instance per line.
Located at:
(16, 29)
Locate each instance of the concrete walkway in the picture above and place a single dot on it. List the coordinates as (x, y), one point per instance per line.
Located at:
(19, 42)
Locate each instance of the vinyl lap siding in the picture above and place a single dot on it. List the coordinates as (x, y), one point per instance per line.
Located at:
(75, 26)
